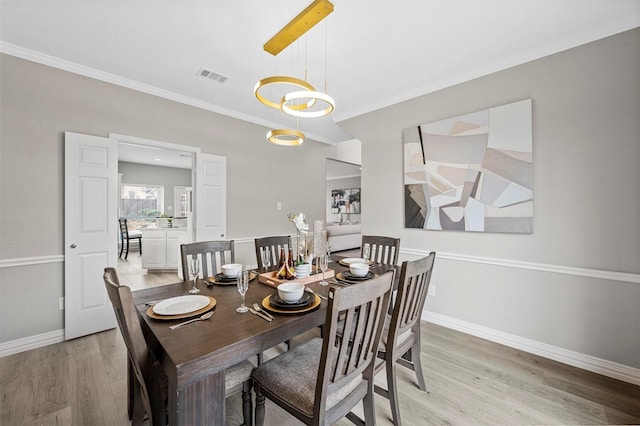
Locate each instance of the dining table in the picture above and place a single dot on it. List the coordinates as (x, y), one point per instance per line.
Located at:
(194, 357)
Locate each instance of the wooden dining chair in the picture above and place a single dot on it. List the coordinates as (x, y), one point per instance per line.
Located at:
(401, 336)
(150, 383)
(273, 245)
(126, 236)
(321, 380)
(382, 250)
(212, 255)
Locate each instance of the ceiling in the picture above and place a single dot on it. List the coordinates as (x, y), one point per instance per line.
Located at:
(372, 53)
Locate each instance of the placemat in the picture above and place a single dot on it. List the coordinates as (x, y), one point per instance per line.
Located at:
(213, 280)
(211, 305)
(265, 304)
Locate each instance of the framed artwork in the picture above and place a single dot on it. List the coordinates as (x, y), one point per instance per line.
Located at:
(471, 173)
(345, 200)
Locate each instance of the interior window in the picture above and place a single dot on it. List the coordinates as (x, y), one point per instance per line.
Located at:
(141, 204)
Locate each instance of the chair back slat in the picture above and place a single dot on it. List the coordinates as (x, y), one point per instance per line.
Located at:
(212, 255)
(273, 245)
(383, 250)
(362, 314)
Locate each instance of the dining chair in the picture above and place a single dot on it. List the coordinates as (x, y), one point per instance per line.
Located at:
(150, 383)
(212, 255)
(273, 245)
(321, 380)
(382, 250)
(126, 236)
(400, 341)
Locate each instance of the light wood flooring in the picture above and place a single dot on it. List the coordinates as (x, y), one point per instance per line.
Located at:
(470, 381)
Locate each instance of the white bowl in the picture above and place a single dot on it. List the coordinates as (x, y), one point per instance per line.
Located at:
(231, 270)
(359, 269)
(291, 292)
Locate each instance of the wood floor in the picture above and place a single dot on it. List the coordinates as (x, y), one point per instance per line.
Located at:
(470, 381)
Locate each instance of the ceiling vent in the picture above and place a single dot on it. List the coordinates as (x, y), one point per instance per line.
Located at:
(212, 75)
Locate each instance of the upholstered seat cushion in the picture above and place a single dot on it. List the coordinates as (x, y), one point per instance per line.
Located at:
(402, 337)
(292, 377)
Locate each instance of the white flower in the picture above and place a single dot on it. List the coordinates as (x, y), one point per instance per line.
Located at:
(299, 222)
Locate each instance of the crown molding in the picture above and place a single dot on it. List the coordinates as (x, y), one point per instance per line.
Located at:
(72, 67)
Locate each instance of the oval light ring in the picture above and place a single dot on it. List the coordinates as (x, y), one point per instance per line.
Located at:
(285, 137)
(296, 111)
(281, 79)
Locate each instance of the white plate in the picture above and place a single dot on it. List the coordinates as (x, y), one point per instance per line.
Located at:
(350, 260)
(181, 305)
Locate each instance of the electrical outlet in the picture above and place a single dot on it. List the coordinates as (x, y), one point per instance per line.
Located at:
(278, 205)
(61, 304)
(432, 290)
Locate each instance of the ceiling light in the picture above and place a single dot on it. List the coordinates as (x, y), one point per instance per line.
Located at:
(285, 137)
(282, 80)
(311, 15)
(314, 96)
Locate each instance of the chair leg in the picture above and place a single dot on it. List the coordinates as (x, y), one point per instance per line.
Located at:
(121, 247)
(392, 386)
(137, 417)
(131, 383)
(140, 245)
(127, 253)
(259, 406)
(247, 406)
(368, 405)
(417, 365)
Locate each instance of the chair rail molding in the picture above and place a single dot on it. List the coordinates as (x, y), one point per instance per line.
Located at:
(29, 261)
(627, 277)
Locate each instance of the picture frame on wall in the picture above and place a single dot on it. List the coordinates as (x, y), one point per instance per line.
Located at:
(471, 173)
(345, 201)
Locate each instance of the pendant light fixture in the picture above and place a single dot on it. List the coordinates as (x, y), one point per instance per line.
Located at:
(299, 102)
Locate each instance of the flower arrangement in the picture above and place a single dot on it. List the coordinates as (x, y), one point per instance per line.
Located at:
(299, 222)
(301, 231)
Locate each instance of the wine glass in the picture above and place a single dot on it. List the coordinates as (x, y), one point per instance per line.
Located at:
(366, 252)
(243, 286)
(324, 263)
(194, 269)
(266, 258)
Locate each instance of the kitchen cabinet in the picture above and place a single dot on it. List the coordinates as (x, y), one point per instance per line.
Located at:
(162, 247)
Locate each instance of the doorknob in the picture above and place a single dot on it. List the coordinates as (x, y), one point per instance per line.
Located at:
(72, 246)
(221, 235)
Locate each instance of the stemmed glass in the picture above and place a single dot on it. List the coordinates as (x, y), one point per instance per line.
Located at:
(194, 269)
(323, 262)
(266, 258)
(366, 252)
(243, 286)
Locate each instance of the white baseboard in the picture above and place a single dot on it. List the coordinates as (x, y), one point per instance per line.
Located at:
(565, 356)
(31, 342)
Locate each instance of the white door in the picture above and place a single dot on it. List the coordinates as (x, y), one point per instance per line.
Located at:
(210, 197)
(90, 232)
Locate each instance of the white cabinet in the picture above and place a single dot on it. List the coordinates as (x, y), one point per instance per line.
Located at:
(161, 248)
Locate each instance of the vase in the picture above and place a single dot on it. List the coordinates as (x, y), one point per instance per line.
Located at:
(301, 250)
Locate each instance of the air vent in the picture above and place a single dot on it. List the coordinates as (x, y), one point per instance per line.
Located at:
(212, 75)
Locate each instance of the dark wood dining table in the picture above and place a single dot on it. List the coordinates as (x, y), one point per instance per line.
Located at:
(195, 356)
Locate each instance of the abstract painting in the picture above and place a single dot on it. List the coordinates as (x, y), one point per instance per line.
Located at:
(471, 173)
(345, 200)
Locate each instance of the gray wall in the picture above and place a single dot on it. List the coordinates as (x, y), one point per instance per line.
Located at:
(586, 146)
(40, 103)
(168, 177)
